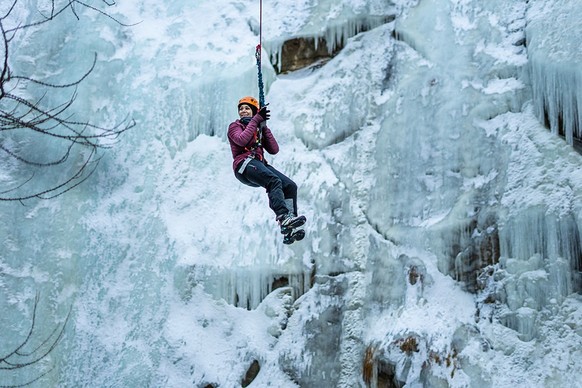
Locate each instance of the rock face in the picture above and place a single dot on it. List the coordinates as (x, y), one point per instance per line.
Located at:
(252, 372)
(299, 53)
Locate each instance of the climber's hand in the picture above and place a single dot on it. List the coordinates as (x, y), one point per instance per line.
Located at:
(265, 113)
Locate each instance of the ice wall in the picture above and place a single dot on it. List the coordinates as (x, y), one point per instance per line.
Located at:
(449, 183)
(432, 181)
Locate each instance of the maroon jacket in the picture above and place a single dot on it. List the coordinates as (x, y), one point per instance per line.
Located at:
(242, 139)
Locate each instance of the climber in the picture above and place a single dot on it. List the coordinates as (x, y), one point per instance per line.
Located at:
(249, 137)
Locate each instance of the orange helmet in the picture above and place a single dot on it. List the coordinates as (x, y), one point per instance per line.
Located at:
(251, 101)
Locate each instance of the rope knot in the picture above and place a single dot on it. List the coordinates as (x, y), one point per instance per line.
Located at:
(258, 53)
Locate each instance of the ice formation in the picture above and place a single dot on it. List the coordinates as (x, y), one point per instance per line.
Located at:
(443, 242)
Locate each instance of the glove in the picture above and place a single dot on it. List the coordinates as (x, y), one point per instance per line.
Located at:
(265, 113)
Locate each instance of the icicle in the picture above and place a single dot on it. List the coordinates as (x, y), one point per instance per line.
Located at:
(246, 287)
(554, 53)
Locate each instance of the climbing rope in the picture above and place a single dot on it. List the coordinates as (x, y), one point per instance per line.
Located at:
(258, 57)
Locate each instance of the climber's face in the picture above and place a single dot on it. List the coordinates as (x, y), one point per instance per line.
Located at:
(245, 110)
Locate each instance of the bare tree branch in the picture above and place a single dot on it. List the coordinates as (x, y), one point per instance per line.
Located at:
(22, 357)
(22, 117)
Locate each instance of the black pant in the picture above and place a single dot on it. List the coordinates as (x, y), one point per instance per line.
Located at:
(279, 187)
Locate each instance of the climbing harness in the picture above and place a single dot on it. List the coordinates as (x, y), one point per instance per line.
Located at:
(253, 152)
(256, 143)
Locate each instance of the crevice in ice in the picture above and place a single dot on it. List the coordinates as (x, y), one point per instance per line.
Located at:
(378, 372)
(303, 51)
(480, 249)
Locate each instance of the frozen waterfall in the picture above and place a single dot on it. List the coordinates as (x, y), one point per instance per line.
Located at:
(434, 145)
